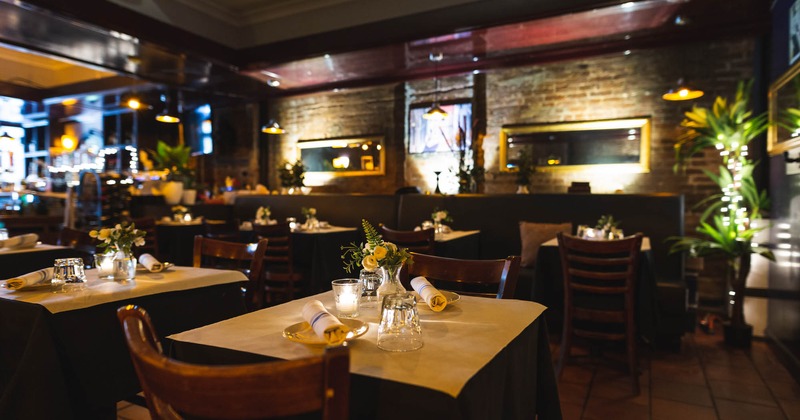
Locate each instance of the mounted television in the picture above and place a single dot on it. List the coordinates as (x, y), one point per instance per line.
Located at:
(432, 136)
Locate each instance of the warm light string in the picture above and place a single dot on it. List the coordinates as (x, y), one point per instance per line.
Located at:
(734, 156)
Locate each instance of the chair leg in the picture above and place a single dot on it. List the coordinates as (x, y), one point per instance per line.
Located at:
(632, 362)
(563, 353)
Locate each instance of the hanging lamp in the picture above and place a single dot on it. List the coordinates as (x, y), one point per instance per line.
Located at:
(435, 112)
(172, 110)
(272, 127)
(5, 136)
(682, 92)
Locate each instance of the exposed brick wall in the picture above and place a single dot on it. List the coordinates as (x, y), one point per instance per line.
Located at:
(612, 86)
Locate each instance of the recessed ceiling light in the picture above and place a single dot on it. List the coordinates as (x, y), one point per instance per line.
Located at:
(627, 52)
(274, 82)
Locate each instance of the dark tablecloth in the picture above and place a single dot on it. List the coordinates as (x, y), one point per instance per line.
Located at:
(18, 263)
(75, 364)
(518, 383)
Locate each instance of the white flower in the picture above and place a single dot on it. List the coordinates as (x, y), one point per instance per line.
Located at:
(370, 263)
(390, 246)
(439, 216)
(139, 242)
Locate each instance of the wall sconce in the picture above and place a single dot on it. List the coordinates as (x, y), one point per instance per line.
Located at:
(272, 127)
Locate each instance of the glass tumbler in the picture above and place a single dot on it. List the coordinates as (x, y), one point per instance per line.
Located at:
(347, 294)
(399, 329)
(68, 274)
(370, 280)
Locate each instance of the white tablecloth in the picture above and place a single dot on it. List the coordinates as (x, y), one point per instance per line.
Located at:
(98, 292)
(645, 243)
(449, 236)
(38, 247)
(458, 341)
(329, 229)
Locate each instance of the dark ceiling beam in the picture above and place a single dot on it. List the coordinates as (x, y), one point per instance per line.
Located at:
(111, 16)
(107, 85)
(464, 17)
(21, 92)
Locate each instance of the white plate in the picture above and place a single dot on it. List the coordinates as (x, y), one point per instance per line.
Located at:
(302, 332)
(141, 268)
(452, 297)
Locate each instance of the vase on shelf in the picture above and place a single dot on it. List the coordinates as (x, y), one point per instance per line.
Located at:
(390, 283)
(173, 192)
(124, 266)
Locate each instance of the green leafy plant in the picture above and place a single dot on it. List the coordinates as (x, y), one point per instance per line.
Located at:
(525, 168)
(441, 215)
(726, 227)
(176, 161)
(122, 237)
(373, 253)
(292, 174)
(607, 222)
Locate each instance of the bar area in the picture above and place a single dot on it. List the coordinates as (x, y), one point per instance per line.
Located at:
(578, 210)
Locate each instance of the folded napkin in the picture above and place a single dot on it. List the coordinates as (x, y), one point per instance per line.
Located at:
(150, 263)
(20, 241)
(30, 279)
(325, 325)
(433, 297)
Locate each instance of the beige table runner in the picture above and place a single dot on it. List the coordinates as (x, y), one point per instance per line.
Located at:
(98, 292)
(458, 341)
(37, 248)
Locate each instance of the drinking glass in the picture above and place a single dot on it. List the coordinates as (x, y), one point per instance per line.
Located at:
(399, 329)
(68, 274)
(105, 265)
(370, 280)
(347, 294)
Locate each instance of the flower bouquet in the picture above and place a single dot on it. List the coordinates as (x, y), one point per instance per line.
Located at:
(262, 216)
(311, 218)
(120, 241)
(439, 217)
(376, 253)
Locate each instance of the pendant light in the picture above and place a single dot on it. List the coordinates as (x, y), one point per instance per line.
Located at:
(172, 110)
(272, 127)
(5, 136)
(435, 112)
(682, 92)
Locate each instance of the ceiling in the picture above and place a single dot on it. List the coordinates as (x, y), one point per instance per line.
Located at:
(251, 49)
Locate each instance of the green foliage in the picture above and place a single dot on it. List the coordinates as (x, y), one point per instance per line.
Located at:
(292, 174)
(525, 168)
(176, 161)
(607, 222)
(374, 253)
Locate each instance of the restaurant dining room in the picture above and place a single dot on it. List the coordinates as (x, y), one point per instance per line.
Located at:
(442, 209)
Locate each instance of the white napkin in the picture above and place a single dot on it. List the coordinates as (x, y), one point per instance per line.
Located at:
(432, 296)
(150, 263)
(20, 241)
(30, 279)
(325, 325)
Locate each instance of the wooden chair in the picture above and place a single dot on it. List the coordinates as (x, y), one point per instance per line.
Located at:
(486, 278)
(174, 389)
(282, 281)
(248, 258)
(147, 224)
(599, 284)
(224, 230)
(421, 241)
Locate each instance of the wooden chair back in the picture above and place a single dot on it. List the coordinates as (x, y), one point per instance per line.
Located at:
(599, 285)
(486, 278)
(282, 280)
(174, 389)
(225, 230)
(248, 258)
(421, 241)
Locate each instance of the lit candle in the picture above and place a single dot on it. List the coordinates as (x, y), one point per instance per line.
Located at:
(348, 302)
(105, 265)
(187, 217)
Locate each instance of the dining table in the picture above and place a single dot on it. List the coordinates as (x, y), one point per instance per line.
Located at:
(318, 253)
(18, 261)
(464, 244)
(63, 354)
(481, 358)
(548, 288)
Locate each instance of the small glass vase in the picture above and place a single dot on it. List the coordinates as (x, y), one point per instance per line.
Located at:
(390, 283)
(124, 266)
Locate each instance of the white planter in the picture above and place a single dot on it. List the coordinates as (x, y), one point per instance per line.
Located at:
(189, 197)
(173, 192)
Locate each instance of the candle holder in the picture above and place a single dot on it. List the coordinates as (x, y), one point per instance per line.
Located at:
(105, 265)
(347, 294)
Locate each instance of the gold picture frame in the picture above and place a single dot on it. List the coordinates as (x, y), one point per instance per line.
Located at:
(619, 145)
(784, 94)
(343, 156)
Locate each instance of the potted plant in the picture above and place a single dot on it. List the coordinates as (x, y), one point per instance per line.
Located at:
(292, 176)
(180, 177)
(726, 228)
(525, 168)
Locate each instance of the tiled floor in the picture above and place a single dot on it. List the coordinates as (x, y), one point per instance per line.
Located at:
(706, 380)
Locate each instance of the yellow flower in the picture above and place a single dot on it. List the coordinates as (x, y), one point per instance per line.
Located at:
(92, 233)
(390, 246)
(370, 263)
(380, 252)
(104, 234)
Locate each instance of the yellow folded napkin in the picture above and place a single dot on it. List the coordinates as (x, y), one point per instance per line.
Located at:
(20, 241)
(433, 297)
(325, 325)
(150, 263)
(30, 279)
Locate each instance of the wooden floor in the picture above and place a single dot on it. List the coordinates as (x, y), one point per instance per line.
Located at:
(706, 380)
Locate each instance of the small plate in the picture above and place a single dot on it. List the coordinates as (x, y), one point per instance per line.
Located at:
(167, 266)
(452, 297)
(302, 332)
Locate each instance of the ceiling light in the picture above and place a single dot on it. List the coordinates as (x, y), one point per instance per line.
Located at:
(274, 82)
(272, 127)
(435, 112)
(172, 110)
(5, 136)
(682, 92)
(69, 101)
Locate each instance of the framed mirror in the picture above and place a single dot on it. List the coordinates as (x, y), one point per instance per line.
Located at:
(784, 112)
(618, 145)
(347, 156)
